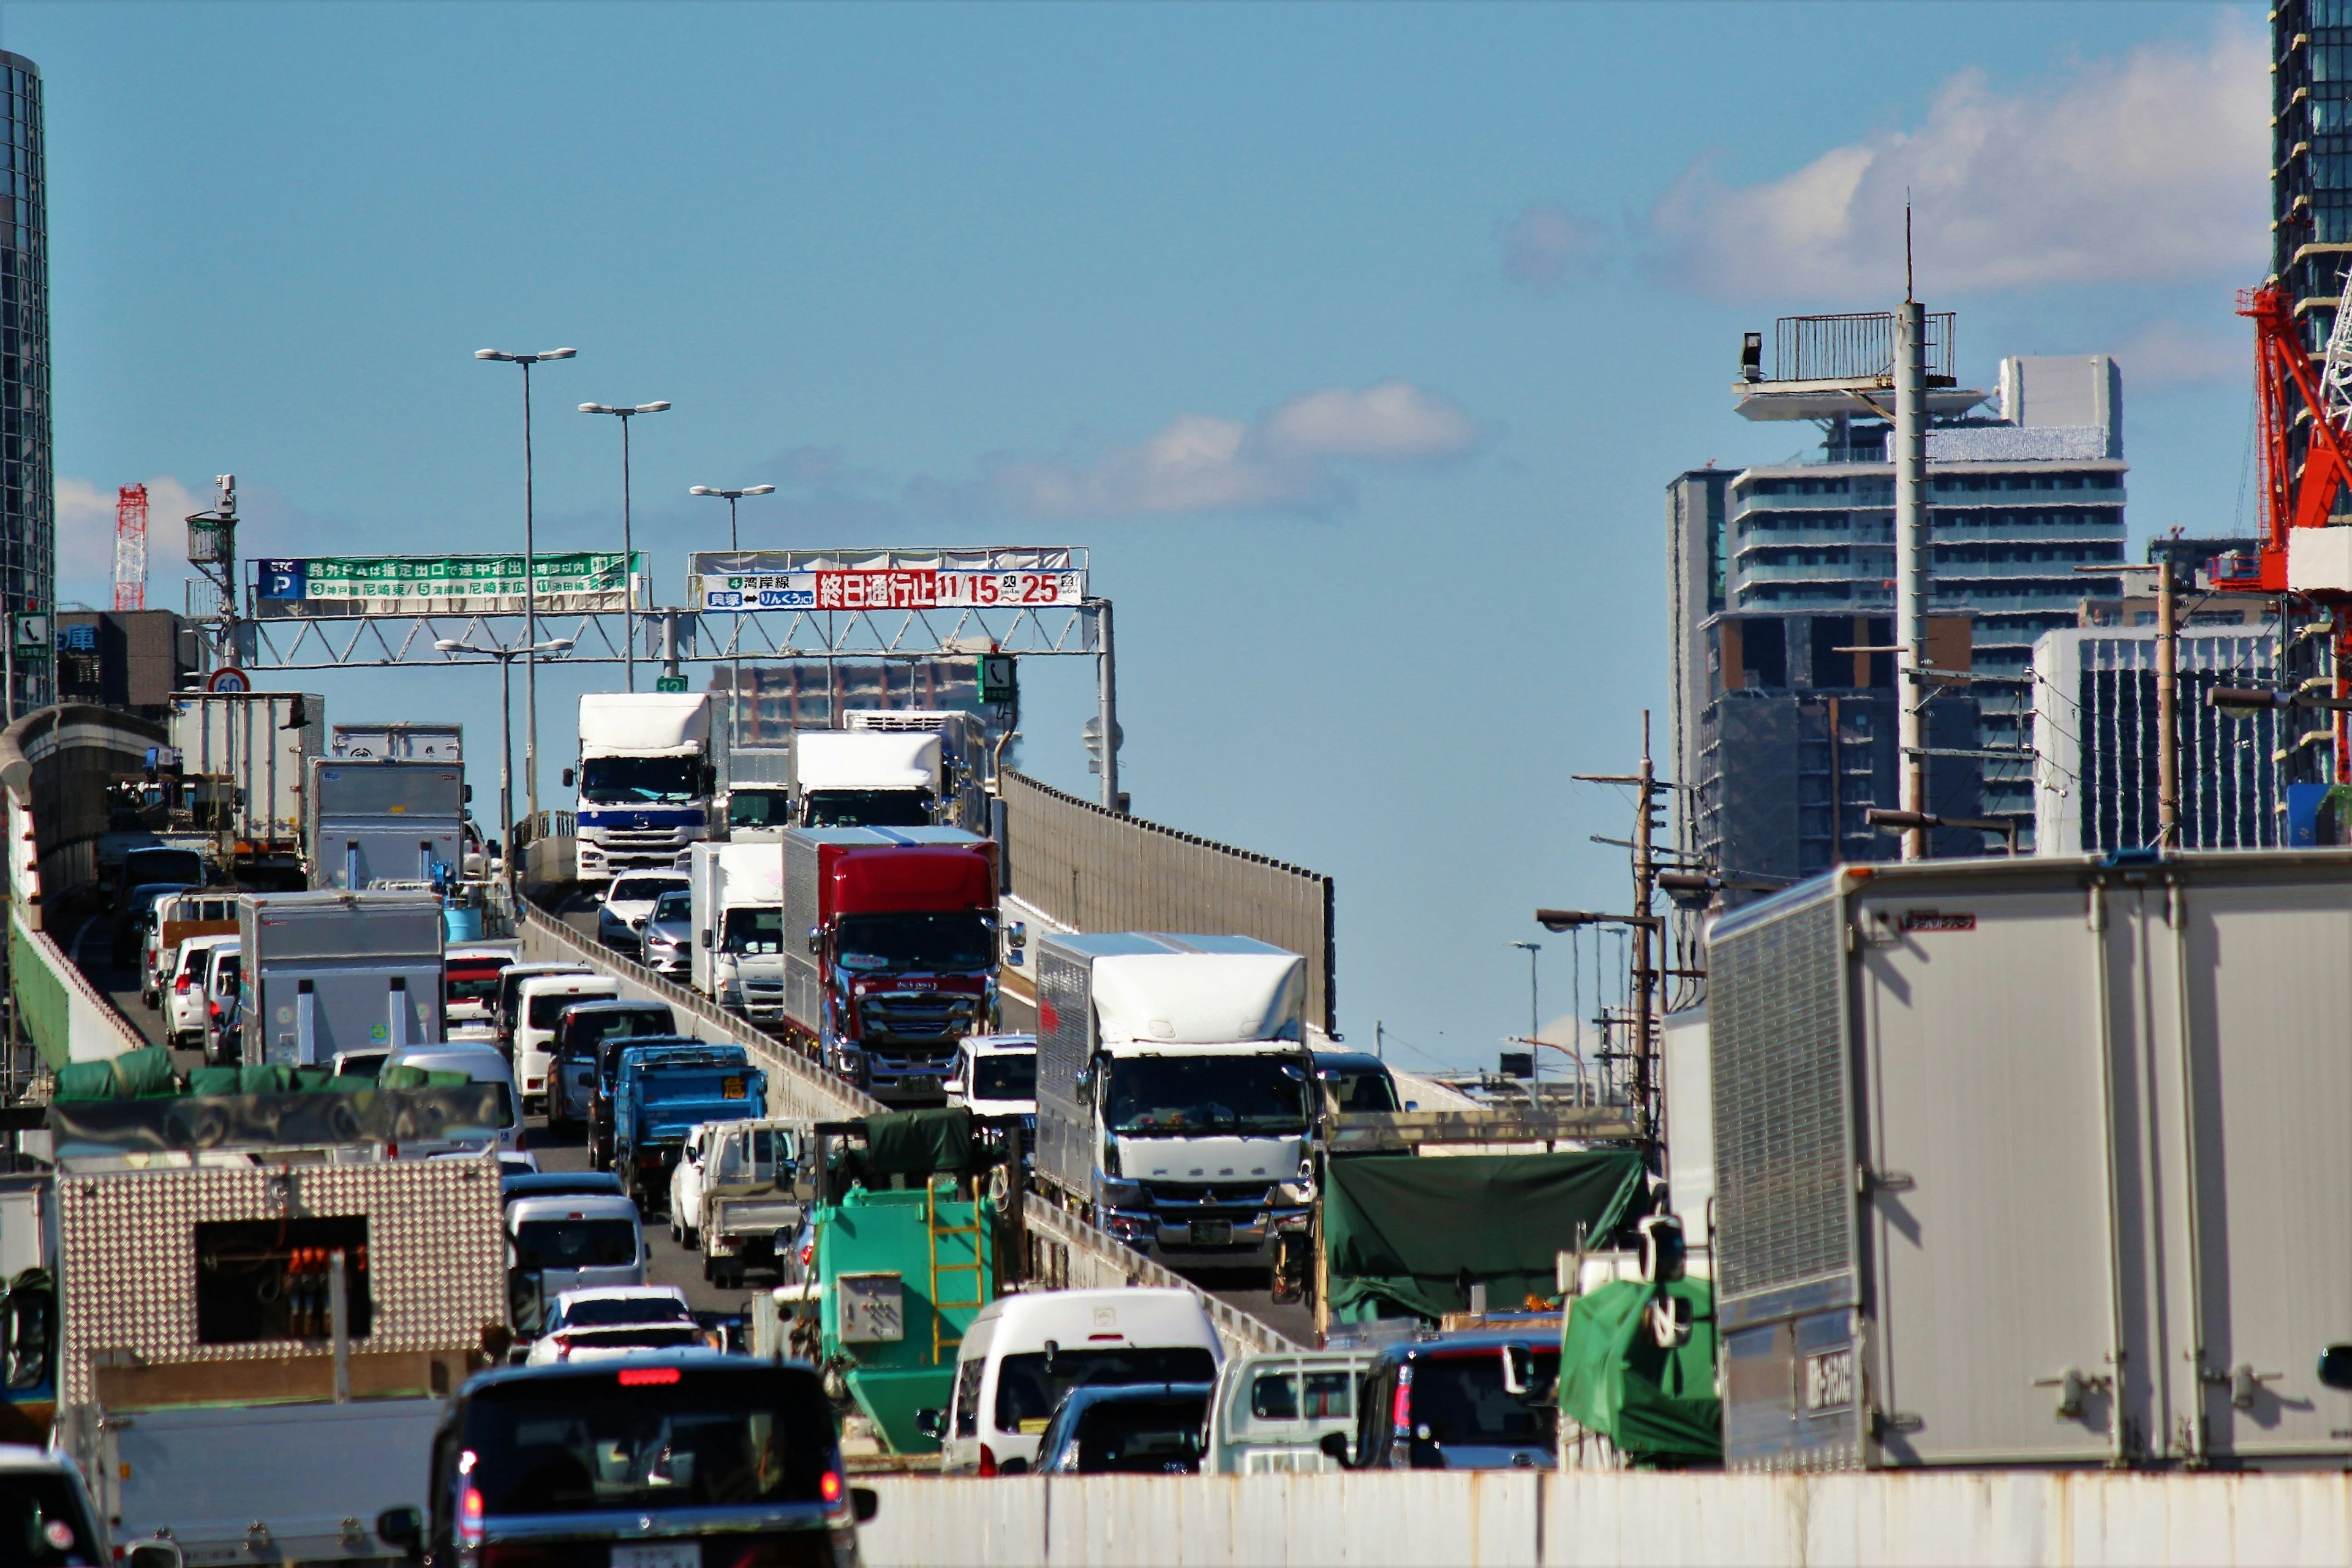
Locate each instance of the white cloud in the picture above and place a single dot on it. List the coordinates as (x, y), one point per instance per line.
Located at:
(1547, 247)
(1286, 461)
(84, 542)
(2150, 169)
(2169, 354)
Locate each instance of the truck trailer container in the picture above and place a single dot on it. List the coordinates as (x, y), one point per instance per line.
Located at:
(251, 751)
(2037, 1161)
(398, 741)
(1173, 1091)
(735, 895)
(332, 971)
(890, 952)
(647, 780)
(374, 821)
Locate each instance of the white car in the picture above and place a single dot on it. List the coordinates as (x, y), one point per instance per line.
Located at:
(184, 1017)
(223, 1012)
(576, 1241)
(629, 902)
(686, 1184)
(616, 1320)
(539, 1006)
(996, 1075)
(479, 1063)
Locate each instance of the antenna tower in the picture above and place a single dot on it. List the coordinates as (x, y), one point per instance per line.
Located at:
(131, 548)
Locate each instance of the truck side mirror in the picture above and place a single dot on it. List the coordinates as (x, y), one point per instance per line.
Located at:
(401, 1527)
(1017, 933)
(1335, 1446)
(816, 939)
(706, 938)
(931, 1423)
(567, 778)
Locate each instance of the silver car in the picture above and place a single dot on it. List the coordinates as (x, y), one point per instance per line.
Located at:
(667, 939)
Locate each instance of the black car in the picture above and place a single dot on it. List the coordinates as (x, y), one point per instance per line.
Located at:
(556, 1464)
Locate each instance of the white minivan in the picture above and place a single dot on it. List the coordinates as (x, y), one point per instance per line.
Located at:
(576, 1242)
(540, 1003)
(186, 1000)
(1024, 1353)
(480, 1063)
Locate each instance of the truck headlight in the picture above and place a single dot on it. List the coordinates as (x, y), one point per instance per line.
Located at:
(1294, 1194)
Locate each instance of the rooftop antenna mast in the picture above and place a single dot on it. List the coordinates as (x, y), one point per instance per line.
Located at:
(212, 550)
(1915, 552)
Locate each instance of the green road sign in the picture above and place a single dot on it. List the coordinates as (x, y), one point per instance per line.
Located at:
(997, 682)
(670, 683)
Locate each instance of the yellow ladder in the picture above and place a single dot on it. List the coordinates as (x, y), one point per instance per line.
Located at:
(940, 1339)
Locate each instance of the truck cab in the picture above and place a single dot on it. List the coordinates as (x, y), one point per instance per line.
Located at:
(866, 778)
(662, 1093)
(647, 780)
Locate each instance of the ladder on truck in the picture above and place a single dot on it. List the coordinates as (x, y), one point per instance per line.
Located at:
(941, 1341)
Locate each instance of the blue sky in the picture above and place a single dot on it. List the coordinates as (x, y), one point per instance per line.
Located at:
(1357, 342)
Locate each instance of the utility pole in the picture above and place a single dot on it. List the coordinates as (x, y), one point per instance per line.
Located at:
(1645, 889)
(1913, 553)
(2168, 707)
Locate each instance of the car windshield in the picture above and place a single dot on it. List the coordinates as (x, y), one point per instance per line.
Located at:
(1139, 1436)
(647, 1437)
(575, 1243)
(42, 1523)
(1265, 1096)
(475, 982)
(546, 1008)
(588, 1033)
(756, 808)
(640, 781)
(767, 1146)
(755, 931)
(1354, 1091)
(958, 941)
(607, 1311)
(869, 808)
(674, 906)
(1028, 1390)
(641, 889)
(1461, 1399)
(1011, 1076)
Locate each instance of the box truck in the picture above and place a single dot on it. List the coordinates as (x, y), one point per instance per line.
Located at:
(250, 752)
(647, 780)
(399, 740)
(1174, 1091)
(332, 971)
(373, 820)
(735, 892)
(2037, 1161)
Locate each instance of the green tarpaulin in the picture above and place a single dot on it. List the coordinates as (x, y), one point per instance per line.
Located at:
(918, 1142)
(1658, 1404)
(127, 1077)
(1409, 1236)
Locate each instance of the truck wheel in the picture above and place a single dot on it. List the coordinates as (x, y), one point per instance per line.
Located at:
(709, 1273)
(687, 1236)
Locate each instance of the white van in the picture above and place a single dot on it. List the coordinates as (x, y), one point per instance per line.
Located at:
(1271, 1411)
(1025, 1352)
(576, 1242)
(222, 978)
(480, 1063)
(540, 1003)
(185, 1016)
(177, 915)
(996, 1075)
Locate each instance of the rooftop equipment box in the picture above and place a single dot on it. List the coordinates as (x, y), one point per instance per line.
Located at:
(2036, 1161)
(332, 971)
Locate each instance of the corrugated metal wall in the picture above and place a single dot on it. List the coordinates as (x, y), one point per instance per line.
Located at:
(1099, 871)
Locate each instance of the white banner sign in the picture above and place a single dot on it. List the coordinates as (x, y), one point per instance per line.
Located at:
(977, 580)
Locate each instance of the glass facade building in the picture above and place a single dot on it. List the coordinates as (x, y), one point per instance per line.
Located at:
(2311, 156)
(28, 569)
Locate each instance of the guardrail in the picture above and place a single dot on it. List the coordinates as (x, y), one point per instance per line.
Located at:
(1066, 1253)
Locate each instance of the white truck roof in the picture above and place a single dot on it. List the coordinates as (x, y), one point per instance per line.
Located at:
(1198, 998)
(865, 759)
(644, 723)
(747, 873)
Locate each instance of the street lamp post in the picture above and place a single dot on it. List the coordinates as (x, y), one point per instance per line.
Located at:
(735, 664)
(628, 555)
(1535, 1013)
(530, 573)
(505, 657)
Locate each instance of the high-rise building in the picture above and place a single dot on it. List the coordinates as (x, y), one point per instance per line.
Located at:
(29, 570)
(2017, 502)
(2311, 156)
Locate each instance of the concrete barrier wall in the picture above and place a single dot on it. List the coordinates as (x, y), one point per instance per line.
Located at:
(1095, 870)
(1416, 1519)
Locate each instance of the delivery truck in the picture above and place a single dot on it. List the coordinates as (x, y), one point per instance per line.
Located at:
(399, 740)
(890, 952)
(736, 897)
(1174, 1101)
(647, 778)
(250, 752)
(326, 973)
(376, 820)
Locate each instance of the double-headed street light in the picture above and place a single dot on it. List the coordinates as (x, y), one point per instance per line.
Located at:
(505, 657)
(735, 666)
(628, 555)
(530, 570)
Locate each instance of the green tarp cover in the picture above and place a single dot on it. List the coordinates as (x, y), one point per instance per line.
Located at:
(1408, 1237)
(1657, 1404)
(404, 1078)
(918, 1142)
(126, 1077)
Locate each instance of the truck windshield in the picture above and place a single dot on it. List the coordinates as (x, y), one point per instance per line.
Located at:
(1029, 1387)
(869, 808)
(1162, 1095)
(756, 808)
(645, 1435)
(755, 931)
(575, 1243)
(964, 941)
(640, 781)
(1012, 1075)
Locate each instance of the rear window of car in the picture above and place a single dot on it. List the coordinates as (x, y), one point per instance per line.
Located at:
(42, 1521)
(608, 1311)
(1028, 1390)
(575, 1243)
(1139, 1436)
(546, 1009)
(1461, 1399)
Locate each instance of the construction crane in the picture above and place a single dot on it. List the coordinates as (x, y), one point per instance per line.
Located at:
(2300, 555)
(131, 548)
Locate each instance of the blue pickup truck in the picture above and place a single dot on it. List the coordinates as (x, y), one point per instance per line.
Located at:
(661, 1092)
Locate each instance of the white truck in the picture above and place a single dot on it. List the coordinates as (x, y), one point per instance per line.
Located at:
(647, 782)
(376, 820)
(736, 892)
(891, 767)
(758, 792)
(248, 753)
(1174, 1100)
(326, 973)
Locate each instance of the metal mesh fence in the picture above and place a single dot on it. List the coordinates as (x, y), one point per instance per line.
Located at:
(1098, 871)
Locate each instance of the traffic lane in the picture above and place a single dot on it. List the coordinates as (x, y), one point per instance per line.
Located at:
(671, 1264)
(91, 948)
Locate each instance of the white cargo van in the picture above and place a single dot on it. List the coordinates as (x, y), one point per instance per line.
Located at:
(538, 1006)
(1024, 1353)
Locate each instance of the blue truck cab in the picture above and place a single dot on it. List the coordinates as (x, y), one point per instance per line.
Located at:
(661, 1092)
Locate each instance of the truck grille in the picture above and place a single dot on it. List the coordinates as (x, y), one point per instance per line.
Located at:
(1178, 1201)
(917, 1015)
(640, 837)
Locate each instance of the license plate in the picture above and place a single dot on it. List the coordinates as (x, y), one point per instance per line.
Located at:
(1213, 1233)
(730, 1089)
(658, 1554)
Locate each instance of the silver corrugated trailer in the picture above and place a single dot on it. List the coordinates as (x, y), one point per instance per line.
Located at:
(2037, 1161)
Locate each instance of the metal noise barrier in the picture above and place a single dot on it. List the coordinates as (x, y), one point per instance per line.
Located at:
(1097, 870)
(1069, 1253)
